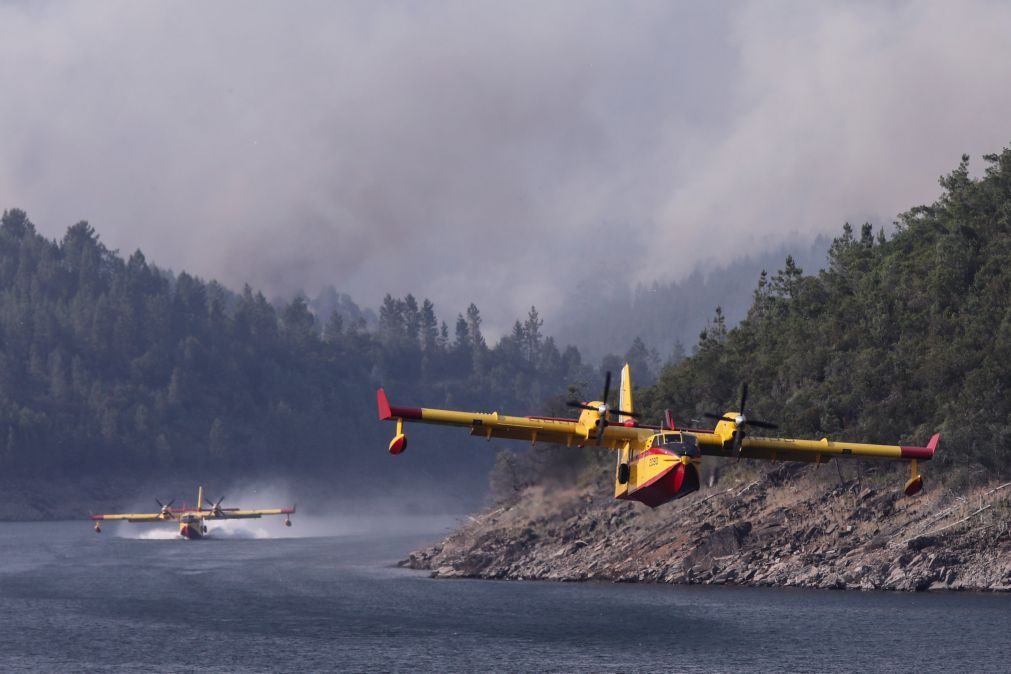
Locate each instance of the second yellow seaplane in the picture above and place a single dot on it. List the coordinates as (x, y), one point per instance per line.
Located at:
(656, 464)
(193, 521)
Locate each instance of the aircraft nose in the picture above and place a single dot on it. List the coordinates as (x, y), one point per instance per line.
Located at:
(685, 479)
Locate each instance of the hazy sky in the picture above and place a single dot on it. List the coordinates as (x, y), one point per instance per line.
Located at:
(501, 153)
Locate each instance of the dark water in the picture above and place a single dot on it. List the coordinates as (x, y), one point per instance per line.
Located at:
(74, 601)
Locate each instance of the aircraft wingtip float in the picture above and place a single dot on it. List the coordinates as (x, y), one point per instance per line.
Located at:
(192, 521)
(656, 464)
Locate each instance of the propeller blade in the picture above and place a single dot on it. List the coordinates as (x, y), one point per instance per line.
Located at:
(607, 386)
(762, 424)
(170, 503)
(579, 405)
(738, 441)
(603, 427)
(744, 397)
(160, 504)
(624, 413)
(718, 417)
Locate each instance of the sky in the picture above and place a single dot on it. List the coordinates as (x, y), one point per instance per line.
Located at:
(507, 154)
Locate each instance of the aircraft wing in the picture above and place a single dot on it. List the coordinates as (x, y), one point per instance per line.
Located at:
(788, 449)
(233, 514)
(495, 425)
(131, 517)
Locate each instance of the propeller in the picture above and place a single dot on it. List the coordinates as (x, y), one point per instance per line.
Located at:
(741, 421)
(166, 508)
(604, 409)
(215, 507)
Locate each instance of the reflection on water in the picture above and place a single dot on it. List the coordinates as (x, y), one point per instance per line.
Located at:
(71, 600)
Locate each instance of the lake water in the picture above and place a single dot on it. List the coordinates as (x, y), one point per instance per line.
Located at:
(260, 598)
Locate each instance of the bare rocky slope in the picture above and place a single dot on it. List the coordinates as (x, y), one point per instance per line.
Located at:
(790, 527)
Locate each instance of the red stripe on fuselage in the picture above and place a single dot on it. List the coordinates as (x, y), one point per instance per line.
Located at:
(553, 419)
(655, 478)
(653, 451)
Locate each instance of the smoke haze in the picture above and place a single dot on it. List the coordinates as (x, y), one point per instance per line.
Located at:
(501, 154)
(319, 511)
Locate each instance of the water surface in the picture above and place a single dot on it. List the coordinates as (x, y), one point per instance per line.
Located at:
(252, 600)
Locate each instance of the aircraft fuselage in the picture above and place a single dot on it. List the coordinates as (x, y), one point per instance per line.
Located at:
(666, 469)
(659, 476)
(191, 527)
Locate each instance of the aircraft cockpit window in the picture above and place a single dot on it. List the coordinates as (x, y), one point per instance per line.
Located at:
(691, 446)
(681, 444)
(668, 440)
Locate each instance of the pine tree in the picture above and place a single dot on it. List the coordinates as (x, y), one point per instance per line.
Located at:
(532, 334)
(429, 327)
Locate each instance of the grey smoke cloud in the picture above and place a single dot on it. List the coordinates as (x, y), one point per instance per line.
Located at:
(846, 111)
(495, 153)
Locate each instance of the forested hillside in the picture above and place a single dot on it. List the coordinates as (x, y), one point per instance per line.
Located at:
(667, 316)
(900, 336)
(112, 365)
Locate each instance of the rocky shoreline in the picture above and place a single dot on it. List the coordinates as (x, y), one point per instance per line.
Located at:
(790, 527)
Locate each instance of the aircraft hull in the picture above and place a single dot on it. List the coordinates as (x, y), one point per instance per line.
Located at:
(673, 482)
(191, 532)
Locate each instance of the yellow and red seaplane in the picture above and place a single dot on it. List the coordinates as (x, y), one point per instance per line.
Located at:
(192, 521)
(656, 464)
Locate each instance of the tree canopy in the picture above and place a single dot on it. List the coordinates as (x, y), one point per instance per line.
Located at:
(111, 364)
(899, 337)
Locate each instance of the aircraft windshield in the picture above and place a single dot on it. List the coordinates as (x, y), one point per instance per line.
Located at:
(679, 443)
(665, 440)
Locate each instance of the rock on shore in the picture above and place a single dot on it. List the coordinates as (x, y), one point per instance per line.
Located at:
(790, 527)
